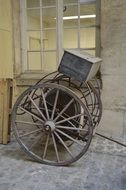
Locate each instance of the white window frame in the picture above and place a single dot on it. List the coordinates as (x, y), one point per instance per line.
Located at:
(59, 30)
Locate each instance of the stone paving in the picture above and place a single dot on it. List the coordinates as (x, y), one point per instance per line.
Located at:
(102, 168)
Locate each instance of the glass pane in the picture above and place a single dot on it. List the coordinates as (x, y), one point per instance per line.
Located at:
(70, 16)
(87, 37)
(87, 1)
(91, 52)
(34, 42)
(87, 22)
(49, 61)
(34, 61)
(49, 17)
(87, 14)
(33, 19)
(49, 40)
(48, 2)
(70, 38)
(33, 3)
(70, 1)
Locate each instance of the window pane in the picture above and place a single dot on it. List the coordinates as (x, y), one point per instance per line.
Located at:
(46, 25)
(34, 42)
(33, 3)
(49, 17)
(49, 40)
(34, 61)
(70, 38)
(87, 14)
(33, 19)
(87, 9)
(87, 38)
(87, 1)
(87, 22)
(48, 2)
(91, 52)
(70, 1)
(49, 61)
(70, 16)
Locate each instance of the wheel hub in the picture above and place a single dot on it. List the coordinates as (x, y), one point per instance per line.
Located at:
(49, 126)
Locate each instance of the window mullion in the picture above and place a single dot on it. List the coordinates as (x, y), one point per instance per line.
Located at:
(59, 29)
(97, 36)
(78, 25)
(23, 18)
(41, 34)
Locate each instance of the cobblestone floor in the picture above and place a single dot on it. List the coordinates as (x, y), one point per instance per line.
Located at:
(102, 168)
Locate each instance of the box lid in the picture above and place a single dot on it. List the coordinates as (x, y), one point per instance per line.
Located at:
(85, 55)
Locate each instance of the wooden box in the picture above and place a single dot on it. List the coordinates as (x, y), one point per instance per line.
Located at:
(5, 109)
(78, 66)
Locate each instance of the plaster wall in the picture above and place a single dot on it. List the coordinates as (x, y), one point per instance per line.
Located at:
(6, 64)
(113, 69)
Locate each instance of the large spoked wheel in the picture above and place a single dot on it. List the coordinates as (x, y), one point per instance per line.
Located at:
(56, 121)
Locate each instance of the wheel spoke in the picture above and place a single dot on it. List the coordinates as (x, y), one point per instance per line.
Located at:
(28, 123)
(94, 105)
(32, 114)
(63, 116)
(73, 120)
(95, 115)
(69, 137)
(55, 146)
(68, 150)
(32, 132)
(85, 90)
(86, 94)
(37, 107)
(44, 101)
(64, 109)
(46, 146)
(71, 128)
(55, 103)
(67, 119)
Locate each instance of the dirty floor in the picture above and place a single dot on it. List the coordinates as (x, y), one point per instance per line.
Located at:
(102, 168)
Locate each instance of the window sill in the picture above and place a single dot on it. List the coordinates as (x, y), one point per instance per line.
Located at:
(30, 78)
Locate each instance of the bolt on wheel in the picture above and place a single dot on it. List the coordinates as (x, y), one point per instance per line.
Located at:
(57, 121)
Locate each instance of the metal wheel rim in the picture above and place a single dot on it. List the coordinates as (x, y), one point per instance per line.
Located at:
(96, 114)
